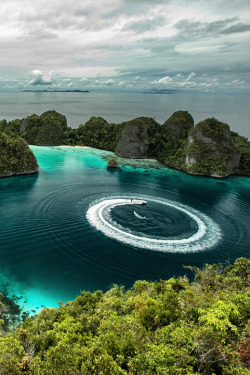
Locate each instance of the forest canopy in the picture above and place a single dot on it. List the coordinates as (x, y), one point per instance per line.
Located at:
(168, 327)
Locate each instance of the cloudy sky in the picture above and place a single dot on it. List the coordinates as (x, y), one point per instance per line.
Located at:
(125, 45)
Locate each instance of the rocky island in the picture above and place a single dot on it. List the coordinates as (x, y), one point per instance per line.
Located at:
(208, 148)
(15, 157)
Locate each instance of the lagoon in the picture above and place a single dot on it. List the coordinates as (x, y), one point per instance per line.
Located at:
(50, 251)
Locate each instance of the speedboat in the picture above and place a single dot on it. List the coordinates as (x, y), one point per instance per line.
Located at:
(138, 201)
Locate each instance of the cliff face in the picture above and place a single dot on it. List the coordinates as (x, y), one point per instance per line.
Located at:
(171, 137)
(16, 157)
(134, 139)
(208, 149)
(211, 151)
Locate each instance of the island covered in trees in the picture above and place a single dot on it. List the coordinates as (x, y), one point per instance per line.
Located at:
(209, 148)
(156, 328)
(16, 157)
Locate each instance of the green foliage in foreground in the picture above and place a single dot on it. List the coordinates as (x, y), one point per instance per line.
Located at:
(167, 327)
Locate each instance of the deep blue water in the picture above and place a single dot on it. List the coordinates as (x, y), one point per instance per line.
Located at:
(50, 251)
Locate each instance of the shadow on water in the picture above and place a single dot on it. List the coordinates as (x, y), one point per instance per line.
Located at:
(18, 183)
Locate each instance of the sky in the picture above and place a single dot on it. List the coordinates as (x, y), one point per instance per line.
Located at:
(134, 45)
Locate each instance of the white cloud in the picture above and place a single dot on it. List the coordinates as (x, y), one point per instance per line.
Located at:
(109, 82)
(41, 78)
(162, 81)
(191, 76)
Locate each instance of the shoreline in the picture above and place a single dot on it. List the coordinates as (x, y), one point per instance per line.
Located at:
(155, 160)
(74, 146)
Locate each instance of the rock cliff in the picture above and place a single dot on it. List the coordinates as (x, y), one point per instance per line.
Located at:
(211, 150)
(134, 139)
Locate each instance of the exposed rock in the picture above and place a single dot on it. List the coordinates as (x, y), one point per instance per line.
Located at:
(112, 163)
(16, 157)
(171, 137)
(178, 124)
(211, 151)
(134, 140)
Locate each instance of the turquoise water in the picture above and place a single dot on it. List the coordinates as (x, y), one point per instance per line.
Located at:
(51, 248)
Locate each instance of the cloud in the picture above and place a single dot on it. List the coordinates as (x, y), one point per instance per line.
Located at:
(121, 39)
(191, 76)
(41, 78)
(162, 81)
(147, 24)
(109, 82)
(238, 28)
(198, 29)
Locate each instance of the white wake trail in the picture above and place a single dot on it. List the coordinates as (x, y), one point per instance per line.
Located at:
(139, 216)
(207, 235)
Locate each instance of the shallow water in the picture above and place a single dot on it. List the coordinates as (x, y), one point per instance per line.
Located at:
(50, 250)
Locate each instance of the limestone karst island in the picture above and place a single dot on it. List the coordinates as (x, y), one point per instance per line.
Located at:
(209, 148)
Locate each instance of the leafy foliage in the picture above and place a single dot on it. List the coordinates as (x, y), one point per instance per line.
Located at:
(167, 141)
(96, 132)
(15, 157)
(213, 149)
(166, 327)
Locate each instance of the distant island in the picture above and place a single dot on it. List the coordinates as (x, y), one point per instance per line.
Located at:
(208, 148)
(54, 91)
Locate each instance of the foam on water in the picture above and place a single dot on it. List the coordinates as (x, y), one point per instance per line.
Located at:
(206, 236)
(139, 216)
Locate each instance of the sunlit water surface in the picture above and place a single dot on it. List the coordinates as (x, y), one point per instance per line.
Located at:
(75, 226)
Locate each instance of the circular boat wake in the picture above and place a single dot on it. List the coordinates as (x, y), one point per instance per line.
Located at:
(205, 235)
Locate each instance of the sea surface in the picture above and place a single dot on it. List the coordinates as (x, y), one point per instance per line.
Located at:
(77, 225)
(232, 109)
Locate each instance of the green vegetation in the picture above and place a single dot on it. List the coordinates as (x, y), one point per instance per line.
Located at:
(212, 148)
(167, 141)
(15, 157)
(209, 148)
(47, 129)
(166, 327)
(96, 132)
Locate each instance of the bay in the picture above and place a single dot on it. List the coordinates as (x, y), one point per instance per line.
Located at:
(50, 250)
(232, 109)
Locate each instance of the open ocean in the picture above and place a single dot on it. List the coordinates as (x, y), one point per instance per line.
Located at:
(77, 225)
(117, 107)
